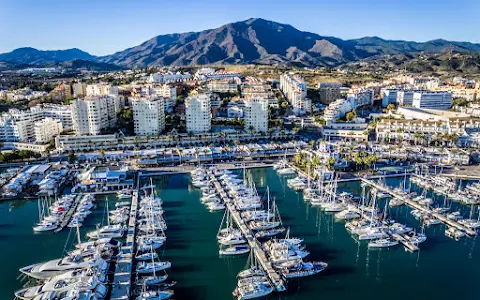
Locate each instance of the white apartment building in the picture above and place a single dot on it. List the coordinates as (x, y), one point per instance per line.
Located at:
(18, 125)
(295, 90)
(47, 129)
(101, 89)
(63, 113)
(432, 100)
(224, 86)
(256, 114)
(337, 109)
(149, 116)
(360, 97)
(408, 130)
(169, 77)
(198, 114)
(207, 74)
(91, 115)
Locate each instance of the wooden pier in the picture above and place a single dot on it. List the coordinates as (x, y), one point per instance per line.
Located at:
(69, 214)
(275, 278)
(122, 279)
(426, 210)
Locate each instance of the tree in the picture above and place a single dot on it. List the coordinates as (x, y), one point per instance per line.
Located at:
(350, 116)
(331, 163)
(72, 157)
(390, 107)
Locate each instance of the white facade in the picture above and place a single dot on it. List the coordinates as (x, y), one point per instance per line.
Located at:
(295, 90)
(337, 109)
(197, 112)
(224, 86)
(18, 125)
(101, 89)
(63, 113)
(168, 77)
(149, 116)
(93, 114)
(47, 129)
(360, 97)
(432, 100)
(234, 111)
(256, 114)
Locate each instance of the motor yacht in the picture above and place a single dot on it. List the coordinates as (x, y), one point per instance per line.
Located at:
(235, 250)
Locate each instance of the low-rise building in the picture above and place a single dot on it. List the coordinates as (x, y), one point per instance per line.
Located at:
(357, 131)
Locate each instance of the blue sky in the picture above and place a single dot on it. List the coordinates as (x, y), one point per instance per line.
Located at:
(105, 26)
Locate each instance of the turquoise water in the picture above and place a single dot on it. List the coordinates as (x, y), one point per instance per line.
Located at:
(20, 246)
(443, 269)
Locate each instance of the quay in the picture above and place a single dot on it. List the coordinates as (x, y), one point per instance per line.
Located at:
(275, 278)
(122, 278)
(69, 214)
(415, 205)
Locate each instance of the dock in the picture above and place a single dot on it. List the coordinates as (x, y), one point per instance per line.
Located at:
(275, 278)
(426, 210)
(69, 214)
(122, 278)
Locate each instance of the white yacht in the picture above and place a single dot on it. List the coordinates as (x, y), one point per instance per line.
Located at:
(253, 291)
(62, 265)
(151, 280)
(155, 295)
(286, 171)
(124, 194)
(109, 231)
(235, 250)
(45, 226)
(152, 267)
(382, 243)
(373, 233)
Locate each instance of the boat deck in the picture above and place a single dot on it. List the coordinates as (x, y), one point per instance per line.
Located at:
(122, 279)
(275, 278)
(69, 214)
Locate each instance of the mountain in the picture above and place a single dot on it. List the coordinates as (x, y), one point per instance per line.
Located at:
(33, 56)
(253, 41)
(88, 65)
(451, 62)
(267, 42)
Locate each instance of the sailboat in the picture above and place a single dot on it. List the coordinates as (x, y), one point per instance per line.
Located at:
(265, 224)
(229, 236)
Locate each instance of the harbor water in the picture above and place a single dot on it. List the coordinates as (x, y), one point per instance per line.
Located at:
(442, 269)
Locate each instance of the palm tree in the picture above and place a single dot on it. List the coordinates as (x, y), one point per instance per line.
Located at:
(102, 153)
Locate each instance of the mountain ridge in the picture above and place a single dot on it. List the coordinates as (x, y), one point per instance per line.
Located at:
(252, 41)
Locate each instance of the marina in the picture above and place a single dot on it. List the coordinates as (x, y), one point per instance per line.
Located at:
(320, 231)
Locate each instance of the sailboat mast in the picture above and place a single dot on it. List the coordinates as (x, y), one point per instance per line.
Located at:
(78, 235)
